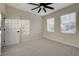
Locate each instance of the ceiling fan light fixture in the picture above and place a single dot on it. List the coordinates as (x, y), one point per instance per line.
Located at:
(42, 6)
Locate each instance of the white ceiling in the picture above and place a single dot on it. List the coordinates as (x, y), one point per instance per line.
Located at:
(28, 7)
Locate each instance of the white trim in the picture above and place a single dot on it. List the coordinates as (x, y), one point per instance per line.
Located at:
(66, 43)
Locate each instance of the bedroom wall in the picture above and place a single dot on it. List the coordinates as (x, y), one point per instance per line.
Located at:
(36, 21)
(69, 39)
(2, 8)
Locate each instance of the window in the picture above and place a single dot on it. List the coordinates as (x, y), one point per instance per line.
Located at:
(68, 23)
(50, 25)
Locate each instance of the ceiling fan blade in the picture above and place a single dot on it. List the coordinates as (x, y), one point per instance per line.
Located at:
(39, 10)
(34, 4)
(44, 9)
(35, 8)
(48, 3)
(49, 7)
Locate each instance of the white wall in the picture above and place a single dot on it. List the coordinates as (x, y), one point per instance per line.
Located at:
(36, 21)
(69, 39)
(36, 27)
(2, 8)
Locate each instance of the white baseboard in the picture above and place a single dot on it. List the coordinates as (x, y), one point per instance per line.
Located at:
(66, 43)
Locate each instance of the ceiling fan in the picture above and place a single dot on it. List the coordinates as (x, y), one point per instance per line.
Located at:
(44, 5)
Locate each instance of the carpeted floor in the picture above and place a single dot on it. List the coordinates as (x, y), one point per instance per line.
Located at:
(41, 47)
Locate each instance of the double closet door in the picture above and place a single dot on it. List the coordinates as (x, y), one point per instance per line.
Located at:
(16, 30)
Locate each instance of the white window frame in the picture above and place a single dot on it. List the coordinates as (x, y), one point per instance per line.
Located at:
(64, 25)
(50, 24)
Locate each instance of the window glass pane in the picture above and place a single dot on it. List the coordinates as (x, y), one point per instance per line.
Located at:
(68, 23)
(50, 25)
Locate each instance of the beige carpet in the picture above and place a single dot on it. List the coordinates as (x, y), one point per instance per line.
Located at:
(41, 47)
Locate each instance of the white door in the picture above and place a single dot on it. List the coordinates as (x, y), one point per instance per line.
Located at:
(12, 31)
